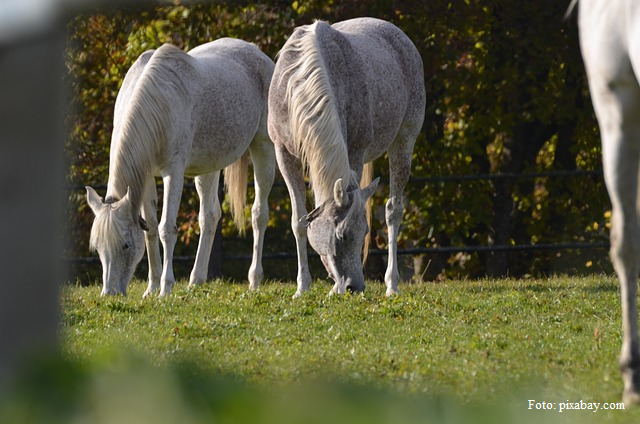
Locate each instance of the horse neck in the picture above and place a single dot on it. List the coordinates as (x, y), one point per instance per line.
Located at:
(314, 115)
(140, 131)
(128, 170)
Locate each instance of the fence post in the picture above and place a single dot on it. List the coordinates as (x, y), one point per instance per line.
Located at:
(31, 196)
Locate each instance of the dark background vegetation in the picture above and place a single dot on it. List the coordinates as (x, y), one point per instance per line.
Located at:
(506, 93)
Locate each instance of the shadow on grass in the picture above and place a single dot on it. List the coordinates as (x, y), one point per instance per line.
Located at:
(594, 284)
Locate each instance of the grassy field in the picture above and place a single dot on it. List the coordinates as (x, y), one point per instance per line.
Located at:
(473, 351)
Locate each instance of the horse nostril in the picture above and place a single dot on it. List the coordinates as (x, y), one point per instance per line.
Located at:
(355, 289)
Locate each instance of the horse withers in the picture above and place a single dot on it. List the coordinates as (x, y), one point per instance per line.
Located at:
(610, 44)
(183, 114)
(341, 96)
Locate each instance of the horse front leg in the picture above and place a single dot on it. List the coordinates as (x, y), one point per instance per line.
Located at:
(150, 215)
(264, 167)
(291, 171)
(173, 183)
(210, 213)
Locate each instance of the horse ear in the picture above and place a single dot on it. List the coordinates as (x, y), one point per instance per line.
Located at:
(124, 201)
(370, 189)
(339, 193)
(94, 201)
(341, 228)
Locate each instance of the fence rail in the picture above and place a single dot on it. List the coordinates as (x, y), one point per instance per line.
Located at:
(561, 246)
(379, 252)
(428, 179)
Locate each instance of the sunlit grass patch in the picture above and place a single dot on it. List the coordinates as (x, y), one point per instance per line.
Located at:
(477, 345)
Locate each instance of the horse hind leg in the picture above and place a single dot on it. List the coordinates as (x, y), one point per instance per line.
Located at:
(399, 173)
(264, 167)
(210, 213)
(618, 108)
(625, 251)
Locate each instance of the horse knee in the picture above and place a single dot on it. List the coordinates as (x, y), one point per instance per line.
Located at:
(152, 232)
(299, 229)
(209, 220)
(625, 240)
(168, 232)
(259, 215)
(394, 210)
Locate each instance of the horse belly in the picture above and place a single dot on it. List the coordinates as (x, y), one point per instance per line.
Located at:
(224, 127)
(212, 155)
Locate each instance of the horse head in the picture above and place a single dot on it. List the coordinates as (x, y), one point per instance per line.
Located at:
(336, 230)
(117, 235)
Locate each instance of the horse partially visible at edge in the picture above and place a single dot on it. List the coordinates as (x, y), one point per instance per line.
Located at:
(183, 114)
(341, 96)
(610, 45)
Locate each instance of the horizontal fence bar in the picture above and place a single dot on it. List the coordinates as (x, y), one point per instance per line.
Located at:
(379, 252)
(430, 179)
(413, 251)
(506, 176)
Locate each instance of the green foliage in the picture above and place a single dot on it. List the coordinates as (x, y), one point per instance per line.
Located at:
(491, 345)
(506, 93)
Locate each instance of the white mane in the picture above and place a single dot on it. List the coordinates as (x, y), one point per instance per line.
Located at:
(145, 124)
(313, 115)
(107, 230)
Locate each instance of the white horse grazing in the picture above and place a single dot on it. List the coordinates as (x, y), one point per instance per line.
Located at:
(183, 114)
(610, 44)
(340, 97)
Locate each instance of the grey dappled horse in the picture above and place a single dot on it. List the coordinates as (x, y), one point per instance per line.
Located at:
(183, 114)
(610, 44)
(340, 97)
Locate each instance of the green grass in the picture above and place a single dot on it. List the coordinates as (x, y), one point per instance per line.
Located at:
(441, 352)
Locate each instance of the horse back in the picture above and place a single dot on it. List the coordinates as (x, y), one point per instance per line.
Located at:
(244, 60)
(230, 104)
(378, 79)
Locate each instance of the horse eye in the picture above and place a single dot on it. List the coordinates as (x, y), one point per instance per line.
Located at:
(126, 246)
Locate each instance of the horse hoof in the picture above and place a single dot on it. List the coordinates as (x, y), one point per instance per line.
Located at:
(297, 295)
(255, 278)
(392, 292)
(194, 284)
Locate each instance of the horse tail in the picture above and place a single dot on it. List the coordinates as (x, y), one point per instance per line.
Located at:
(314, 118)
(235, 182)
(367, 178)
(570, 9)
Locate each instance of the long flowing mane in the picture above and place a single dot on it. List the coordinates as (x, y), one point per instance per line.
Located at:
(145, 123)
(313, 114)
